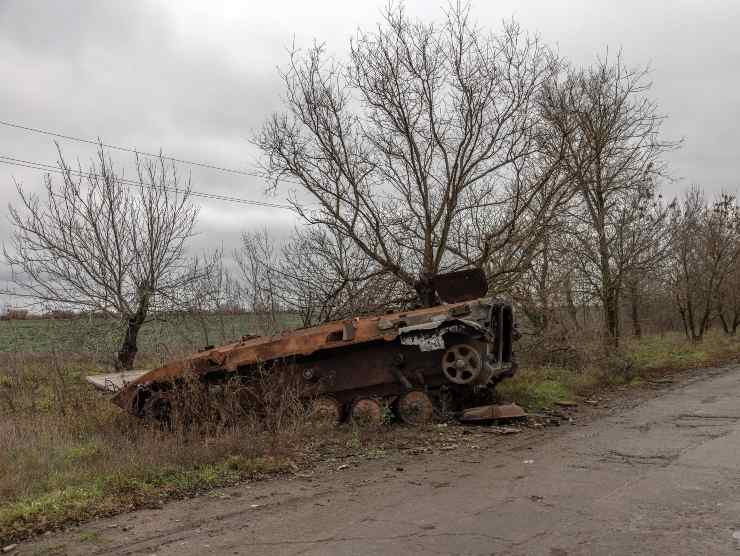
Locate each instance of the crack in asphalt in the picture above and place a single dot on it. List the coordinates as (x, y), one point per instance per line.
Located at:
(418, 534)
(732, 418)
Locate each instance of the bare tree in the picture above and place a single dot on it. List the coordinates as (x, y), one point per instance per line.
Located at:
(728, 302)
(426, 149)
(317, 274)
(208, 298)
(258, 261)
(541, 291)
(706, 249)
(614, 156)
(99, 242)
(723, 245)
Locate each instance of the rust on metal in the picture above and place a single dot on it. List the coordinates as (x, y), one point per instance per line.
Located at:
(325, 410)
(367, 411)
(415, 407)
(459, 286)
(492, 413)
(456, 350)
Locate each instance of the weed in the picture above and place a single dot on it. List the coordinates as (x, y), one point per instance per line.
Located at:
(89, 536)
(354, 441)
(387, 415)
(375, 453)
(541, 387)
(68, 455)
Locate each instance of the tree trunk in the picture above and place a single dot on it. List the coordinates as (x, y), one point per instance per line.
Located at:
(695, 336)
(130, 347)
(425, 290)
(611, 317)
(571, 304)
(635, 309)
(723, 320)
(682, 312)
(706, 320)
(610, 288)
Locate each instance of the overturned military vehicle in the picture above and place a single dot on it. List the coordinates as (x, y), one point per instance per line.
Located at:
(451, 354)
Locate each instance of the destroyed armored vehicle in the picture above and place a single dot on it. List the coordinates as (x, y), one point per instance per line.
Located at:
(412, 361)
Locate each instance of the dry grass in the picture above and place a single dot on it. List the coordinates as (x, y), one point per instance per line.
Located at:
(67, 454)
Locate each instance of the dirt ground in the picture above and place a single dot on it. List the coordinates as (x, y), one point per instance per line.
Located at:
(655, 472)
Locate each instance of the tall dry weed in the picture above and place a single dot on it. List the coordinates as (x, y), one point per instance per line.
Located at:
(57, 432)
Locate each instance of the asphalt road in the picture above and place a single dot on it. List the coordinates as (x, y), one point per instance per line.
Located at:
(659, 477)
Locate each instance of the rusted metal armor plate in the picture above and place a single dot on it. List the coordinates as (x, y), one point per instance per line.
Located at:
(307, 341)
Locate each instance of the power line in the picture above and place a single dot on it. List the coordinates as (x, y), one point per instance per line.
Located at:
(50, 168)
(215, 196)
(130, 150)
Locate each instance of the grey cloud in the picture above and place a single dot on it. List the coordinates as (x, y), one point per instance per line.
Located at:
(196, 79)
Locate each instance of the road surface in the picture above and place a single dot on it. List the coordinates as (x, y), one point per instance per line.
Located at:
(659, 477)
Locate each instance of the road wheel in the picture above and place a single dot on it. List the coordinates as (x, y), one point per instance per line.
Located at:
(462, 364)
(415, 408)
(325, 410)
(367, 412)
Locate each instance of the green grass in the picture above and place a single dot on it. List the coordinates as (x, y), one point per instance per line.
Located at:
(98, 335)
(89, 536)
(109, 494)
(540, 387)
(674, 351)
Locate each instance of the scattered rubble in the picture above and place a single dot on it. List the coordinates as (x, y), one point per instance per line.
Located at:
(500, 430)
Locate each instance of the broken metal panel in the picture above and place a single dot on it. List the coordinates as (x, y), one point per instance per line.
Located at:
(113, 382)
(425, 342)
(454, 287)
(492, 413)
(431, 336)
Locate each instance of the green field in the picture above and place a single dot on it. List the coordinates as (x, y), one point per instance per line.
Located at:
(163, 337)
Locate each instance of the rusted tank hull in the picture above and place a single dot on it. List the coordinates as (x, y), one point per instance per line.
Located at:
(462, 347)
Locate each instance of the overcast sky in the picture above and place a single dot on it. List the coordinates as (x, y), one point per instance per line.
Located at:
(196, 79)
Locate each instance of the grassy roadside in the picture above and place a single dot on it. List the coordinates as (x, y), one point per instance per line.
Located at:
(124, 491)
(538, 387)
(53, 471)
(67, 455)
(89, 481)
